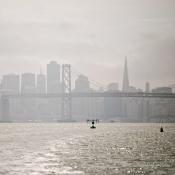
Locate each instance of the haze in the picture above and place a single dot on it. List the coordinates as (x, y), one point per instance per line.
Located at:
(93, 35)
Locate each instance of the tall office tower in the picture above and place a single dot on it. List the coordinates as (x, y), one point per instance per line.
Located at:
(41, 83)
(28, 83)
(125, 87)
(53, 77)
(147, 87)
(82, 84)
(82, 107)
(11, 82)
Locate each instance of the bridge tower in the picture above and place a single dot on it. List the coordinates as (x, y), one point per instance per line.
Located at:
(66, 109)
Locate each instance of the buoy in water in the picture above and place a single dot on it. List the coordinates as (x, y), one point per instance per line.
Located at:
(93, 127)
(161, 129)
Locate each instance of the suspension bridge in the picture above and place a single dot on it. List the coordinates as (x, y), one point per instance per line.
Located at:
(66, 95)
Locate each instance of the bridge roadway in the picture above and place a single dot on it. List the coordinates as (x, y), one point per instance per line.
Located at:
(92, 94)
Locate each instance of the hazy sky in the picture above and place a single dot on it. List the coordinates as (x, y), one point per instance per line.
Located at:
(93, 35)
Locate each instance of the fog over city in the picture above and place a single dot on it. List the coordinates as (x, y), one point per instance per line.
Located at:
(87, 87)
(94, 36)
(74, 60)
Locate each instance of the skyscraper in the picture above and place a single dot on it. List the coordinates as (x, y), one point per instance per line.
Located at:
(82, 84)
(53, 77)
(28, 83)
(41, 83)
(11, 83)
(147, 87)
(125, 87)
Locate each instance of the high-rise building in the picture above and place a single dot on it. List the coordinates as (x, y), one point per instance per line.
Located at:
(28, 83)
(82, 106)
(53, 77)
(125, 87)
(173, 88)
(147, 87)
(41, 83)
(112, 106)
(82, 84)
(11, 82)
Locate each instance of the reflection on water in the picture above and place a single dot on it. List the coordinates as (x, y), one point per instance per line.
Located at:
(51, 149)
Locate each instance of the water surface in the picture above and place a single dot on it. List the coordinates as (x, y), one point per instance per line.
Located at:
(73, 148)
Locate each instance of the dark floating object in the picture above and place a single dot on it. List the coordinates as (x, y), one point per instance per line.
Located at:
(93, 127)
(161, 129)
(93, 123)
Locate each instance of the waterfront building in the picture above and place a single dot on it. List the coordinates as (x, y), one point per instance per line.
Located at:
(162, 90)
(11, 83)
(41, 83)
(147, 87)
(82, 84)
(28, 83)
(53, 77)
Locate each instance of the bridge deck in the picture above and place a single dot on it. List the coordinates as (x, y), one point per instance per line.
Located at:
(92, 94)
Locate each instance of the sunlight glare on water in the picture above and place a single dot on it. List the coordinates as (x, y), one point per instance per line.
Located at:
(74, 148)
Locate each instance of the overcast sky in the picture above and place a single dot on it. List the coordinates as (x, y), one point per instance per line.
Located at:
(93, 35)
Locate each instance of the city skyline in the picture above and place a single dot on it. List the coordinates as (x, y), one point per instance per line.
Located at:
(57, 102)
(51, 81)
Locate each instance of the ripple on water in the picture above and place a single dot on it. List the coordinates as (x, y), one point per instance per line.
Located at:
(53, 149)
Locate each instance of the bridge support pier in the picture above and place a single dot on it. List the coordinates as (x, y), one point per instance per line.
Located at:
(66, 109)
